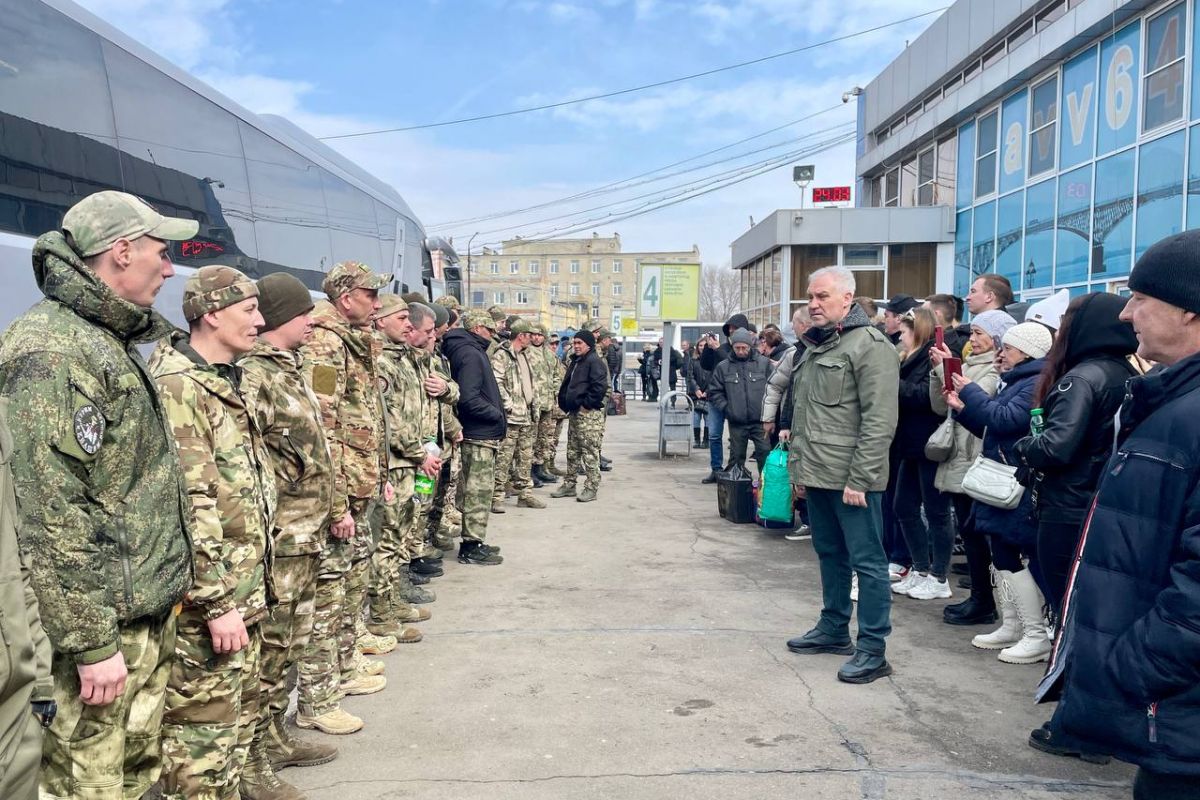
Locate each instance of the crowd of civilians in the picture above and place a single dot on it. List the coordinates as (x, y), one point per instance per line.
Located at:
(1093, 400)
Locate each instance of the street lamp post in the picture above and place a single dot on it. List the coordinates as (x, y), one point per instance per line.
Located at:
(469, 243)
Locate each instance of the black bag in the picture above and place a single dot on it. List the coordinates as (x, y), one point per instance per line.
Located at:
(735, 495)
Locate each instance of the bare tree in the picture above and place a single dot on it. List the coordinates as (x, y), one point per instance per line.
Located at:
(720, 292)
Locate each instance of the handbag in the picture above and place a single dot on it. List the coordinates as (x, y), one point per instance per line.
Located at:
(775, 493)
(993, 483)
(941, 444)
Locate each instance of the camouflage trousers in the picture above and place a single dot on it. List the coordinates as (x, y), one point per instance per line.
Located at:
(111, 752)
(585, 433)
(395, 544)
(444, 515)
(367, 515)
(212, 710)
(513, 461)
(549, 429)
(285, 632)
(475, 487)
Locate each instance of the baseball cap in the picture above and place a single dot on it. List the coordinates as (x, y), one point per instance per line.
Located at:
(476, 318)
(347, 276)
(497, 313)
(389, 304)
(901, 303)
(448, 301)
(213, 288)
(519, 325)
(95, 223)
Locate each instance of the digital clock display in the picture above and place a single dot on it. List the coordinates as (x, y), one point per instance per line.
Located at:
(831, 194)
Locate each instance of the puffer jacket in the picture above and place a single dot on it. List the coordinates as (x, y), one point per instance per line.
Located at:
(917, 420)
(1127, 663)
(779, 383)
(585, 384)
(1001, 421)
(1077, 441)
(738, 387)
(982, 370)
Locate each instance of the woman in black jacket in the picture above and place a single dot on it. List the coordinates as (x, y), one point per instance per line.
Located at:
(930, 540)
(1079, 391)
(696, 378)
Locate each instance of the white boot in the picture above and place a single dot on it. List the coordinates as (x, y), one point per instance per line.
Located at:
(1009, 632)
(1035, 644)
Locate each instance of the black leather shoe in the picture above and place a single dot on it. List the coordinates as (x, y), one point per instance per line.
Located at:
(426, 566)
(970, 612)
(864, 668)
(546, 476)
(605, 467)
(473, 552)
(817, 642)
(605, 461)
(709, 478)
(535, 477)
(1043, 739)
(418, 579)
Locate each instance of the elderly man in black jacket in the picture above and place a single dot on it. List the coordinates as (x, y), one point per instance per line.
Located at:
(737, 388)
(1127, 663)
(582, 396)
(481, 413)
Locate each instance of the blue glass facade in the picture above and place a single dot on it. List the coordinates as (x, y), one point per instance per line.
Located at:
(1093, 162)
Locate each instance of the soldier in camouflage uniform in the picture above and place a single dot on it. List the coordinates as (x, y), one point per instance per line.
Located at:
(289, 417)
(407, 432)
(501, 320)
(545, 367)
(582, 394)
(550, 430)
(518, 393)
(213, 693)
(444, 518)
(103, 516)
(340, 368)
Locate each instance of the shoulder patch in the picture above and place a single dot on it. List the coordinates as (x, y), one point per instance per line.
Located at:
(324, 380)
(88, 425)
(385, 387)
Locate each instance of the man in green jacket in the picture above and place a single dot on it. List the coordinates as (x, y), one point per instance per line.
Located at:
(104, 519)
(846, 394)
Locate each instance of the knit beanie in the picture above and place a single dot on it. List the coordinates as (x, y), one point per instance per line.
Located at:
(742, 336)
(1170, 271)
(1030, 338)
(994, 323)
(587, 338)
(282, 298)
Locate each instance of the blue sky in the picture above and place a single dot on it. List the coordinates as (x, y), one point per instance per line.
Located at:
(342, 66)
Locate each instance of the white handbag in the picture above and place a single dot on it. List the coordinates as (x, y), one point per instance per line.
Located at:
(940, 447)
(993, 483)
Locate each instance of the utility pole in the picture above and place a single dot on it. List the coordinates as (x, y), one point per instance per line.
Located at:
(467, 299)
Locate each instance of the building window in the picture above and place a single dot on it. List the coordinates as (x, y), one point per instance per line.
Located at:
(595, 290)
(574, 267)
(595, 267)
(616, 290)
(535, 267)
(514, 267)
(616, 265)
(1166, 57)
(521, 298)
(573, 290)
(985, 158)
(857, 255)
(474, 270)
(476, 299)
(926, 177)
(494, 267)
(595, 312)
(553, 267)
(1160, 191)
(554, 290)
(1043, 126)
(498, 298)
(891, 187)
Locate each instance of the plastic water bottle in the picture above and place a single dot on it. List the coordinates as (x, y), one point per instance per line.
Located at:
(1037, 421)
(424, 485)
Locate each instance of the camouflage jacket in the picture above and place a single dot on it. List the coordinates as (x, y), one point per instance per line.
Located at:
(340, 367)
(449, 424)
(545, 376)
(408, 407)
(228, 476)
(515, 382)
(289, 416)
(103, 512)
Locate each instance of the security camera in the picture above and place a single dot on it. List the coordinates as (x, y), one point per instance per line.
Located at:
(855, 92)
(846, 97)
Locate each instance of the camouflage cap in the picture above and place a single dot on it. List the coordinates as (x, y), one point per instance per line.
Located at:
(602, 333)
(349, 275)
(414, 297)
(497, 313)
(448, 302)
(519, 326)
(538, 328)
(591, 325)
(214, 288)
(95, 223)
(475, 319)
(389, 304)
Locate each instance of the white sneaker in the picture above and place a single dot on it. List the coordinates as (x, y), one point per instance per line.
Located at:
(907, 582)
(854, 587)
(896, 572)
(930, 588)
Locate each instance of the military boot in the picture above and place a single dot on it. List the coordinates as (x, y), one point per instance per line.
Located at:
(285, 749)
(382, 620)
(409, 592)
(259, 781)
(408, 613)
(586, 496)
(566, 490)
(472, 551)
(528, 500)
(498, 506)
(546, 475)
(535, 477)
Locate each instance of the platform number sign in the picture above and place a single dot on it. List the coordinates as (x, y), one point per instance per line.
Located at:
(650, 294)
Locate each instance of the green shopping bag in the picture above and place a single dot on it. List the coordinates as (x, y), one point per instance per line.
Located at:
(775, 494)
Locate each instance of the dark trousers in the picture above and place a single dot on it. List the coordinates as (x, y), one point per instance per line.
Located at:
(893, 540)
(930, 540)
(1056, 543)
(849, 539)
(1160, 786)
(740, 437)
(979, 554)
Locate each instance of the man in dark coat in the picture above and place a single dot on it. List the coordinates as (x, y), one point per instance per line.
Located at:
(1127, 663)
(616, 362)
(737, 388)
(716, 417)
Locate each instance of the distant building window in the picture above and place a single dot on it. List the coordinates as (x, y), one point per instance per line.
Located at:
(595, 312)
(574, 290)
(554, 290)
(1042, 127)
(891, 187)
(985, 158)
(574, 267)
(553, 267)
(514, 267)
(476, 299)
(498, 298)
(595, 266)
(926, 178)
(522, 298)
(474, 269)
(494, 267)
(616, 290)
(535, 267)
(617, 265)
(595, 290)
(1166, 53)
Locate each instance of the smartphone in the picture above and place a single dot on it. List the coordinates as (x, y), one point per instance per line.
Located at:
(950, 368)
(939, 335)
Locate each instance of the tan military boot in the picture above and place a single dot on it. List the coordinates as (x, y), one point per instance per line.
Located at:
(498, 507)
(285, 749)
(336, 722)
(586, 496)
(409, 613)
(363, 684)
(259, 781)
(368, 666)
(527, 500)
(370, 644)
(409, 636)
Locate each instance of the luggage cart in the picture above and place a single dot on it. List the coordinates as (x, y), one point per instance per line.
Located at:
(674, 424)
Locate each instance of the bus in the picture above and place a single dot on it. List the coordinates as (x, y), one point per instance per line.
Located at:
(84, 108)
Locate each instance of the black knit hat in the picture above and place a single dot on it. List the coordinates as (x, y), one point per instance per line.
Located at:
(1170, 271)
(587, 338)
(282, 298)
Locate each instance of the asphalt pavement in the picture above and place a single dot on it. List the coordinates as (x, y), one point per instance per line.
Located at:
(634, 647)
